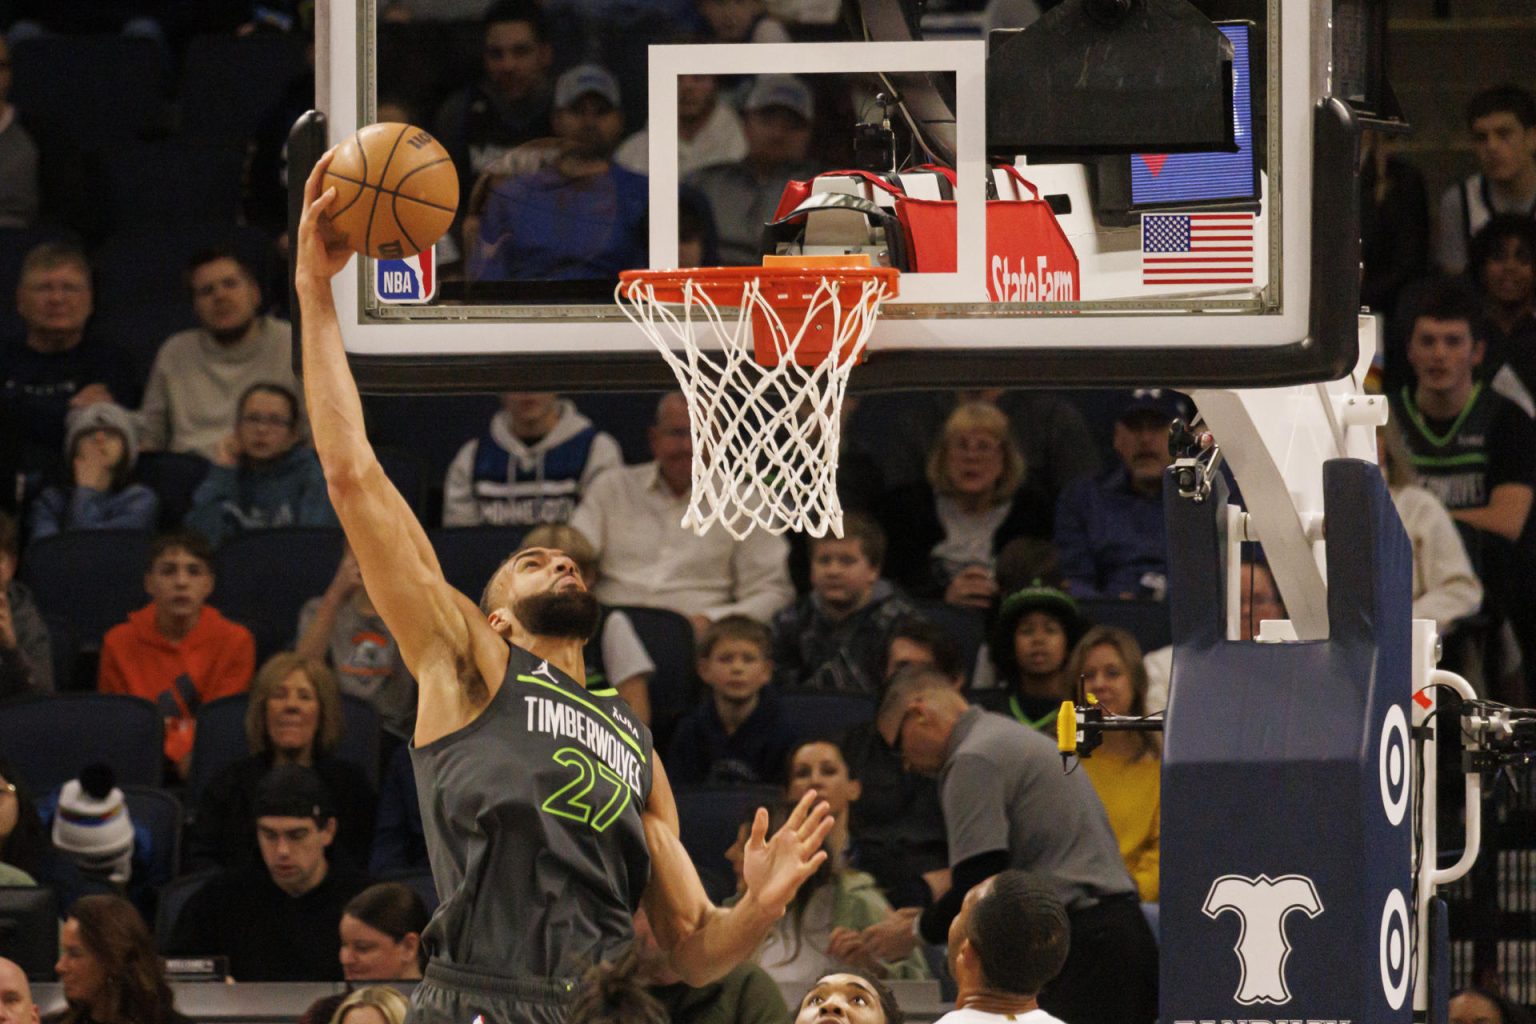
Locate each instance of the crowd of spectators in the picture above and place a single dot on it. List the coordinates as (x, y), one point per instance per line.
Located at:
(986, 533)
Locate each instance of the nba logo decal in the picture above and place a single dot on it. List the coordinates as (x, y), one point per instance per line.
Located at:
(407, 280)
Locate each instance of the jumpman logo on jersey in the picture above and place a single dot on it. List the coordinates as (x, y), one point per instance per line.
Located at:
(543, 670)
(1262, 906)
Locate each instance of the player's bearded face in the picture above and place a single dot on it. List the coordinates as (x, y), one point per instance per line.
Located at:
(568, 613)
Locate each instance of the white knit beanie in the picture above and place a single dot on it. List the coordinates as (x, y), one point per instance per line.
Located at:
(92, 824)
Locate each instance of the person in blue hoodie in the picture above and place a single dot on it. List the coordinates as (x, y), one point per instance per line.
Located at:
(102, 446)
(261, 476)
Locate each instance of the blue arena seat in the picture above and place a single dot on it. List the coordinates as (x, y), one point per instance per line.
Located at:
(469, 555)
(265, 576)
(91, 579)
(709, 817)
(141, 328)
(173, 476)
(160, 812)
(229, 82)
(674, 690)
(173, 898)
(92, 89)
(818, 715)
(1147, 621)
(50, 738)
(65, 651)
(408, 472)
(149, 264)
(220, 740)
(169, 181)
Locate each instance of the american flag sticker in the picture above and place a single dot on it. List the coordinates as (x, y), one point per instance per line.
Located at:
(1197, 248)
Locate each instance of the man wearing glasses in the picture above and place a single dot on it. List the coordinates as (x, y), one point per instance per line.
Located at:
(261, 475)
(199, 373)
(1008, 804)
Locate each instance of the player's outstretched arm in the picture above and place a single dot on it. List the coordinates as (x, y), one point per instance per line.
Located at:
(706, 941)
(398, 564)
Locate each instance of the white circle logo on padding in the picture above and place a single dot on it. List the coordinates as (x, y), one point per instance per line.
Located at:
(1395, 949)
(1392, 763)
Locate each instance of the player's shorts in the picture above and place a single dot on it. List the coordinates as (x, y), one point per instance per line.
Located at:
(453, 995)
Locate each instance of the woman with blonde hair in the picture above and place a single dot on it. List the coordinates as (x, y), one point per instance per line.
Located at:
(943, 534)
(1127, 768)
(293, 717)
(376, 1004)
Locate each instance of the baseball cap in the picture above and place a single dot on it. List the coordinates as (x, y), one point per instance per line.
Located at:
(1164, 403)
(585, 80)
(293, 791)
(785, 91)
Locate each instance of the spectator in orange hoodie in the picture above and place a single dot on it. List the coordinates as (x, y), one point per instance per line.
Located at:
(177, 651)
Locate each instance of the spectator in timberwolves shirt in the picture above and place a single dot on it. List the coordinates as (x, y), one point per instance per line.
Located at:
(1475, 450)
(529, 466)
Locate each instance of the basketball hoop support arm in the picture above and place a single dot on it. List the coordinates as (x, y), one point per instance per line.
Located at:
(1276, 441)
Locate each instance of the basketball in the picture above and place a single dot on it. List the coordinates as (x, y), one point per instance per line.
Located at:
(396, 190)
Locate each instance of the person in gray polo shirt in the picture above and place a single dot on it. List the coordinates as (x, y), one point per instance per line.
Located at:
(1008, 804)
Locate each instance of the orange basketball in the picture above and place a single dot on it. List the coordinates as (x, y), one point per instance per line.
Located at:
(396, 190)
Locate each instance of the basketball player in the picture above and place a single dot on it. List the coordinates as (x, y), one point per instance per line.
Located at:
(548, 816)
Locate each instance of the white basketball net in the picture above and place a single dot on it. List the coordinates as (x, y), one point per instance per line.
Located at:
(765, 438)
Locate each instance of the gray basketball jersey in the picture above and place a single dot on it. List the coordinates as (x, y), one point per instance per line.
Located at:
(532, 821)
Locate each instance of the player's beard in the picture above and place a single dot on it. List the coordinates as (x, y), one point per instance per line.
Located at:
(563, 613)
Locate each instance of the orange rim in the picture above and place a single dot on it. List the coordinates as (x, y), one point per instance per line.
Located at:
(784, 285)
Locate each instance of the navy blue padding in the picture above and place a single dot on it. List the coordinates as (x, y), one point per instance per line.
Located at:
(173, 898)
(91, 579)
(160, 812)
(815, 715)
(470, 555)
(1276, 768)
(967, 627)
(230, 82)
(264, 577)
(50, 738)
(95, 90)
(1147, 621)
(674, 687)
(220, 740)
(709, 817)
(174, 477)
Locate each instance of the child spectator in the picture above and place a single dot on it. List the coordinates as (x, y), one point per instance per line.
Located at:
(293, 717)
(615, 656)
(835, 638)
(102, 446)
(199, 373)
(737, 734)
(1037, 627)
(1127, 768)
(26, 657)
(92, 826)
(177, 651)
(1504, 267)
(277, 921)
(528, 466)
(261, 475)
(342, 628)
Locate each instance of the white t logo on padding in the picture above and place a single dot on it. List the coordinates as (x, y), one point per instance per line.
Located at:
(1262, 905)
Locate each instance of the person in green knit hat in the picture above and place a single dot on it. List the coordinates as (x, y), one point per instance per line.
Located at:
(1037, 627)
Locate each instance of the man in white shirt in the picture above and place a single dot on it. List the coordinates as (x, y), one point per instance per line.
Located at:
(1009, 939)
(708, 131)
(633, 515)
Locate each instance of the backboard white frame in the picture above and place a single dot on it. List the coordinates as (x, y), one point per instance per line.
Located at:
(927, 317)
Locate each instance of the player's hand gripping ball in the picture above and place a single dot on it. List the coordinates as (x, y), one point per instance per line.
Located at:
(396, 190)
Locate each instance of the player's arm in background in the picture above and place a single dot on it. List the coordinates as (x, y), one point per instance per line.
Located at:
(706, 941)
(441, 633)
